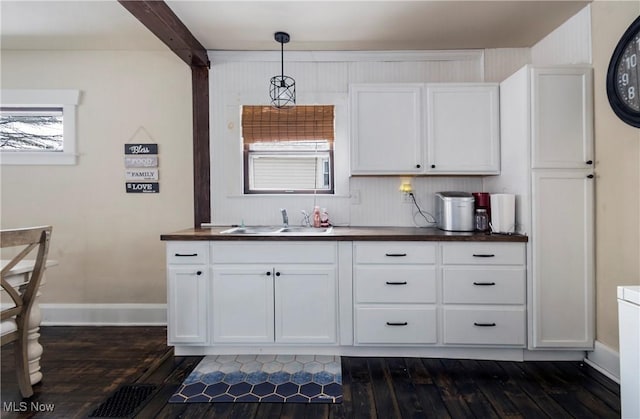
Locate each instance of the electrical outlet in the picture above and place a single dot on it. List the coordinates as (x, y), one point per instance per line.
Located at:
(406, 198)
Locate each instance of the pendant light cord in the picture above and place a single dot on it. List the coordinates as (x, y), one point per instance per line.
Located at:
(282, 59)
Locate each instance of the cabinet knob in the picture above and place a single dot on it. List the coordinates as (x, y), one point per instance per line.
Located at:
(433, 166)
(277, 273)
(589, 161)
(199, 273)
(268, 273)
(589, 176)
(418, 166)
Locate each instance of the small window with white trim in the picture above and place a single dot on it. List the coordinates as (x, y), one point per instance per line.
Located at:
(288, 150)
(38, 127)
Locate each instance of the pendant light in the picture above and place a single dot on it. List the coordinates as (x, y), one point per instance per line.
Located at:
(283, 88)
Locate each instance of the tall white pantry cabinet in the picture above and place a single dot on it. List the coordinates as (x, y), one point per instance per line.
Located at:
(546, 117)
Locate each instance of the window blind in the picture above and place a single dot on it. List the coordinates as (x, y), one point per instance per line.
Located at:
(306, 122)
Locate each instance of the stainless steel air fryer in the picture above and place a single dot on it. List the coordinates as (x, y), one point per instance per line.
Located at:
(454, 211)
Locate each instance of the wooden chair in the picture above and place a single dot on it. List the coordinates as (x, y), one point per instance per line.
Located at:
(15, 318)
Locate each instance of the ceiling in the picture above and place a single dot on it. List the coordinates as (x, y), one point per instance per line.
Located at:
(313, 25)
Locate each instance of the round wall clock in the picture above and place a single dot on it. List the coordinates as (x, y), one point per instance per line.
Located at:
(623, 76)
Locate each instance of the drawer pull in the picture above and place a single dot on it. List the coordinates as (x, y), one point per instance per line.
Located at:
(484, 283)
(483, 255)
(397, 324)
(185, 255)
(199, 273)
(395, 255)
(484, 324)
(397, 283)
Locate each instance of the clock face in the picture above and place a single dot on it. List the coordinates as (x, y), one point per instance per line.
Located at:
(628, 74)
(623, 76)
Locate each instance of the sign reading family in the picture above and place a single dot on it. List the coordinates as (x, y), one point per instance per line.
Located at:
(141, 149)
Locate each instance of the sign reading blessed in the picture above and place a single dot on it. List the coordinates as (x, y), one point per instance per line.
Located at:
(141, 149)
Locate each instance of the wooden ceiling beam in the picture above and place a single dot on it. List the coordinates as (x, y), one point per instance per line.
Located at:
(158, 17)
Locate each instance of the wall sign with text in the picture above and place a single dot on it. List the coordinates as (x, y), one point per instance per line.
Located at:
(141, 163)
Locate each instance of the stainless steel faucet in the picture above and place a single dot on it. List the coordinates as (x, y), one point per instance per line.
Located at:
(285, 217)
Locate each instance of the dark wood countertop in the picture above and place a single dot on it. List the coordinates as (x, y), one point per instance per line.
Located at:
(347, 234)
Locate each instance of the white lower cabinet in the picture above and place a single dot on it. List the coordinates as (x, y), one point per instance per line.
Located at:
(396, 324)
(483, 294)
(484, 325)
(187, 282)
(280, 302)
(242, 304)
(415, 294)
(395, 293)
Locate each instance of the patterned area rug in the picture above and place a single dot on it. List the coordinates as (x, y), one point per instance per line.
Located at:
(263, 378)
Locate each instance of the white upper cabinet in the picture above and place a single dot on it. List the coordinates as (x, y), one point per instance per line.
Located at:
(444, 128)
(463, 128)
(386, 128)
(562, 118)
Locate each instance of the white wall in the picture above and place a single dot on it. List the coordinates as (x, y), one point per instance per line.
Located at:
(107, 242)
(617, 176)
(570, 43)
(238, 79)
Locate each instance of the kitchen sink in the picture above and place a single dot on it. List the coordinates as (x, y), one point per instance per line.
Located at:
(306, 230)
(252, 230)
(271, 230)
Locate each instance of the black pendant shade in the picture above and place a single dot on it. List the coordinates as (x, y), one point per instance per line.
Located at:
(282, 88)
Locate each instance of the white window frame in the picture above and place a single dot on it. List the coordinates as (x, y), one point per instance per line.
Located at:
(67, 99)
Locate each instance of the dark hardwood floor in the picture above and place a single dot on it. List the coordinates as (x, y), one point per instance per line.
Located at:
(83, 366)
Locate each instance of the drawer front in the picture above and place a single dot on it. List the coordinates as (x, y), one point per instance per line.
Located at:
(273, 252)
(395, 325)
(395, 253)
(483, 253)
(395, 284)
(480, 326)
(484, 285)
(187, 253)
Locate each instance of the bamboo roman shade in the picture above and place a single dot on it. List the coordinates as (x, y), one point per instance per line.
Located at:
(265, 123)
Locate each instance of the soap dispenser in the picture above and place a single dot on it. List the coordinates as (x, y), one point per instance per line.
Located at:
(316, 216)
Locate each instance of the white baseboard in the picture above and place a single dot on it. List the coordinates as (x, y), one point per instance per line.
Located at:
(605, 360)
(104, 314)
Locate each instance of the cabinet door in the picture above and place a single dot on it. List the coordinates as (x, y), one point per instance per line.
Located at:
(305, 299)
(386, 129)
(463, 128)
(562, 115)
(562, 259)
(187, 304)
(242, 304)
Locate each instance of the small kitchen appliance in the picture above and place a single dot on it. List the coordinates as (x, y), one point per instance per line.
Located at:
(455, 211)
(482, 201)
(503, 213)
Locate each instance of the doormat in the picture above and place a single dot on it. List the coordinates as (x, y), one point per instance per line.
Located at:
(263, 378)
